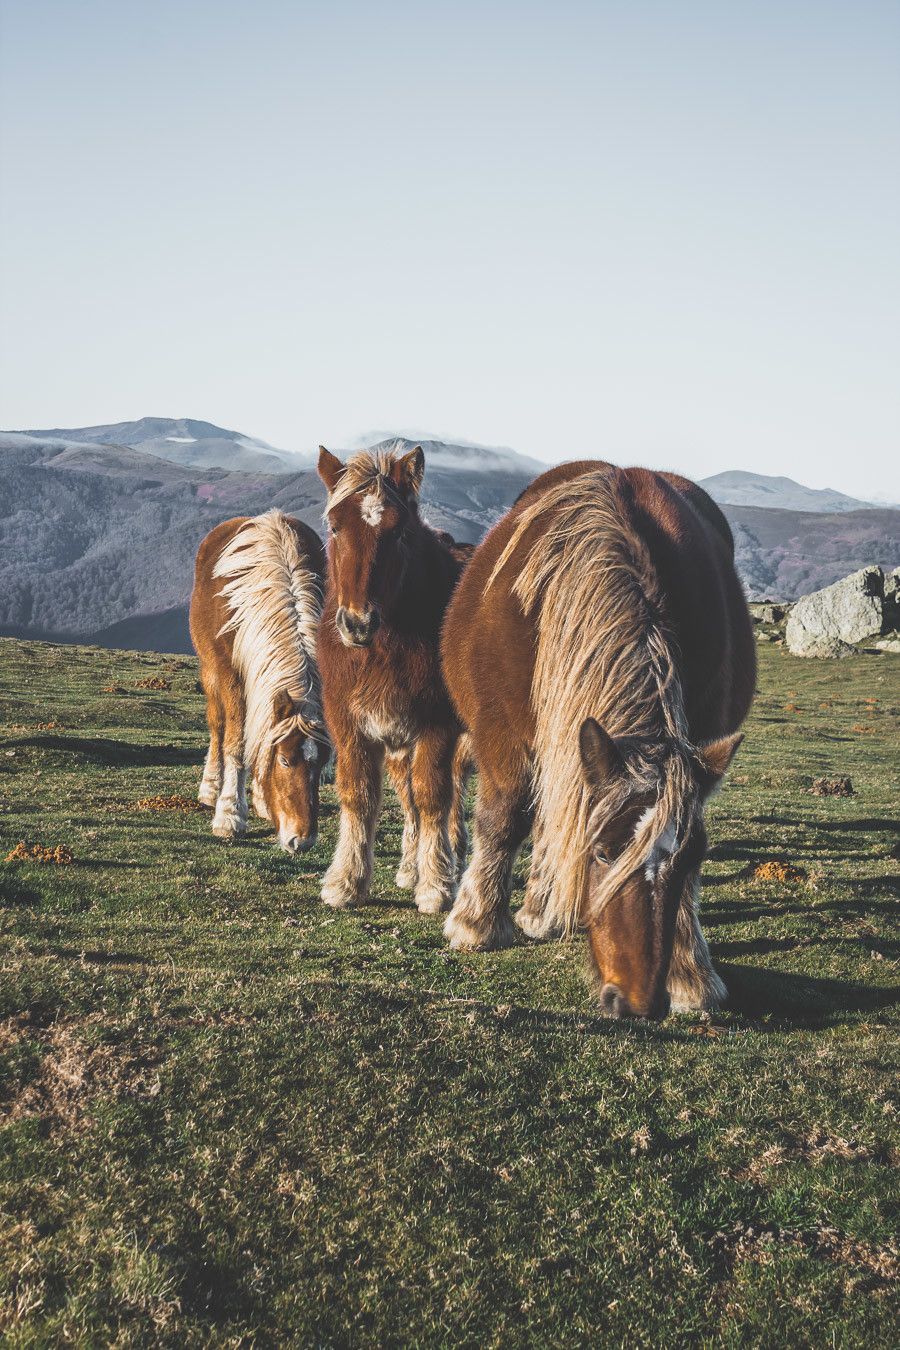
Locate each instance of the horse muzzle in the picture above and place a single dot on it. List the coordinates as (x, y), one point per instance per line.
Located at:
(297, 844)
(357, 630)
(613, 1003)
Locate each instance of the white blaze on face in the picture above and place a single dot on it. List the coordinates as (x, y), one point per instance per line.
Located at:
(664, 845)
(372, 508)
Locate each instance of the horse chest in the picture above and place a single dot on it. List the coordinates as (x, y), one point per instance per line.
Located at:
(394, 730)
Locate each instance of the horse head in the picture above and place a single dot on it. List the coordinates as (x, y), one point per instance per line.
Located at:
(372, 511)
(287, 774)
(647, 842)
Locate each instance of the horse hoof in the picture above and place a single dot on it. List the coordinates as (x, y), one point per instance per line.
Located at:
(433, 902)
(228, 826)
(341, 896)
(467, 936)
(537, 926)
(406, 878)
(207, 796)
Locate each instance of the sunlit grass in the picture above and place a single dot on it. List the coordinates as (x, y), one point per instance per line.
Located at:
(228, 1113)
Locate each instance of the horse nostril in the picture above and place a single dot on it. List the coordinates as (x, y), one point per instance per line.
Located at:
(357, 629)
(298, 844)
(611, 1001)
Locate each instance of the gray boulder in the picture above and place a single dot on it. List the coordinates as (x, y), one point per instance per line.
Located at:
(767, 611)
(847, 612)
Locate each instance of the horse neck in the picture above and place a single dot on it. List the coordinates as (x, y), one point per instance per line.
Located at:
(427, 581)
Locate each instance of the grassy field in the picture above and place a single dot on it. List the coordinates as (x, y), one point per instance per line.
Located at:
(230, 1116)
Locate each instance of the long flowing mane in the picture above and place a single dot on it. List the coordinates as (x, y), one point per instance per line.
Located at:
(603, 651)
(275, 600)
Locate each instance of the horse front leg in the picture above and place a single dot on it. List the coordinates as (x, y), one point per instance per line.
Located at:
(535, 918)
(480, 919)
(230, 816)
(358, 780)
(432, 787)
(400, 770)
(693, 984)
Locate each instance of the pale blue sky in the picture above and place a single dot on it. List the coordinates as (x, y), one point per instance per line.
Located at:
(665, 233)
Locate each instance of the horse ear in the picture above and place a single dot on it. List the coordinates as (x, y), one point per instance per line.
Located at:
(408, 471)
(283, 705)
(717, 755)
(330, 468)
(601, 758)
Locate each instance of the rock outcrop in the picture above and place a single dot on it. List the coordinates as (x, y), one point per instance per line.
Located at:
(830, 621)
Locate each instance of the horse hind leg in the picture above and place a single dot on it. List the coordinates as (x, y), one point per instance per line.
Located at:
(463, 768)
(211, 782)
(693, 984)
(399, 769)
(230, 817)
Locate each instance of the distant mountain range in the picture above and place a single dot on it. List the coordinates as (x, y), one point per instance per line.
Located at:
(736, 487)
(99, 525)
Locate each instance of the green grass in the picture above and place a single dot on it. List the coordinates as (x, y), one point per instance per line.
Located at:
(229, 1116)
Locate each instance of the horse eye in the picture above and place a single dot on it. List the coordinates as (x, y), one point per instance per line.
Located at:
(601, 855)
(282, 759)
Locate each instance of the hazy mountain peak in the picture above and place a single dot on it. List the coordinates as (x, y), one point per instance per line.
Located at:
(186, 441)
(739, 487)
(463, 456)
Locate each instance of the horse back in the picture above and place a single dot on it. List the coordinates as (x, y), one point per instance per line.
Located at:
(209, 613)
(691, 548)
(692, 551)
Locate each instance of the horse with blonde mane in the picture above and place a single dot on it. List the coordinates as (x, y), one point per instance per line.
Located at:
(255, 611)
(390, 578)
(599, 650)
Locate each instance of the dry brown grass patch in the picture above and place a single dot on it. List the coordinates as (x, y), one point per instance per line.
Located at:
(778, 871)
(72, 1072)
(60, 854)
(186, 805)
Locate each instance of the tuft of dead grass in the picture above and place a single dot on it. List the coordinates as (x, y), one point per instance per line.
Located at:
(878, 1267)
(841, 786)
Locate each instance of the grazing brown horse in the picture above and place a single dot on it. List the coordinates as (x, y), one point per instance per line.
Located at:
(389, 580)
(600, 652)
(255, 613)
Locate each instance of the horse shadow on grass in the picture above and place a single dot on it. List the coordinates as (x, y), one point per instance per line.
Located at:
(789, 1001)
(111, 753)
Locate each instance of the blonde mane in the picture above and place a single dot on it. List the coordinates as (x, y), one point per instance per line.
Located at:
(275, 600)
(367, 472)
(603, 651)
